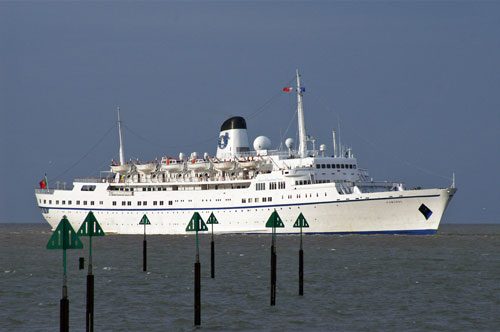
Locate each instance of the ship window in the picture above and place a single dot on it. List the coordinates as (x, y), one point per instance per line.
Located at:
(249, 200)
(139, 202)
(44, 201)
(145, 203)
(323, 166)
(91, 202)
(338, 165)
(69, 202)
(264, 199)
(256, 200)
(318, 166)
(328, 166)
(77, 202)
(155, 203)
(333, 165)
(342, 166)
(57, 202)
(269, 199)
(124, 203)
(161, 202)
(169, 202)
(85, 203)
(296, 182)
(243, 200)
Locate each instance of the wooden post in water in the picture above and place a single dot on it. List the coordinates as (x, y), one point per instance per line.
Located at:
(90, 227)
(197, 224)
(301, 222)
(273, 222)
(64, 237)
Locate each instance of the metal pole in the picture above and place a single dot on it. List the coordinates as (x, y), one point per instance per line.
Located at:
(64, 303)
(144, 251)
(197, 286)
(89, 322)
(212, 255)
(273, 270)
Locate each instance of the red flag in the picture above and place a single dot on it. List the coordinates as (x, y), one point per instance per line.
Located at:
(43, 183)
(287, 89)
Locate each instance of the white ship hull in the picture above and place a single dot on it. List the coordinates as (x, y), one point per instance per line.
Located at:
(325, 210)
(244, 187)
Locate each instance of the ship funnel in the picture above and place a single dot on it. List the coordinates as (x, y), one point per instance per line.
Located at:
(233, 139)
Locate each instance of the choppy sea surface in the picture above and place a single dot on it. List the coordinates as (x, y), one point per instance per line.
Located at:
(449, 281)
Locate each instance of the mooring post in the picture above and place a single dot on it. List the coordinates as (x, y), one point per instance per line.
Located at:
(273, 222)
(301, 222)
(144, 221)
(212, 220)
(64, 237)
(197, 224)
(90, 227)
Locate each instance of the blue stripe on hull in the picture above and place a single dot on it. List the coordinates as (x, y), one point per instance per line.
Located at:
(401, 232)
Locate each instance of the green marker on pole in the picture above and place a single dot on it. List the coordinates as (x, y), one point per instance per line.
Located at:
(64, 237)
(144, 221)
(301, 222)
(273, 222)
(196, 224)
(211, 221)
(90, 227)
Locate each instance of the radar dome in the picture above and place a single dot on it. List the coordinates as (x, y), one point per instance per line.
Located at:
(322, 147)
(262, 143)
(289, 143)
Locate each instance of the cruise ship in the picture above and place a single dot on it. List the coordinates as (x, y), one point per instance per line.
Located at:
(243, 186)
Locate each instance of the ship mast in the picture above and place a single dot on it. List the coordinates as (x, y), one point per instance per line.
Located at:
(122, 159)
(302, 124)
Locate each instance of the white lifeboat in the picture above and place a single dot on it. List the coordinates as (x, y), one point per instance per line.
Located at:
(248, 163)
(121, 169)
(199, 165)
(146, 168)
(224, 166)
(172, 166)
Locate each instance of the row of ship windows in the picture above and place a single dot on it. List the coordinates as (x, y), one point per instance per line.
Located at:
(128, 203)
(335, 166)
(256, 200)
(272, 185)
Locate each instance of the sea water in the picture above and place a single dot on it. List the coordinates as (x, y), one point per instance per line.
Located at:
(449, 281)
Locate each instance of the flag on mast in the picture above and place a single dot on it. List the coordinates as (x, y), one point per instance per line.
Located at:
(43, 183)
(287, 89)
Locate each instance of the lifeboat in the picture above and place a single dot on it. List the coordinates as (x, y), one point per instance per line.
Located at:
(198, 165)
(121, 169)
(224, 166)
(172, 166)
(248, 163)
(146, 168)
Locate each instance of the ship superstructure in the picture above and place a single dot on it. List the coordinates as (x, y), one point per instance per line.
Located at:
(242, 187)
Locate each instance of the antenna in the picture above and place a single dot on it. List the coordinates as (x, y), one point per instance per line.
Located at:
(122, 160)
(453, 183)
(300, 116)
(334, 145)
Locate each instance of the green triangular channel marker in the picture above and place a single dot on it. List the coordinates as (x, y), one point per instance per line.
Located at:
(212, 220)
(90, 226)
(301, 221)
(144, 221)
(196, 224)
(64, 237)
(274, 220)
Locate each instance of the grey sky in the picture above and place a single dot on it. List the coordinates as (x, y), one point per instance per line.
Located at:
(416, 86)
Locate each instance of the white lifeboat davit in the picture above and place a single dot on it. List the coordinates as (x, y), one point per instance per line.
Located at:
(172, 165)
